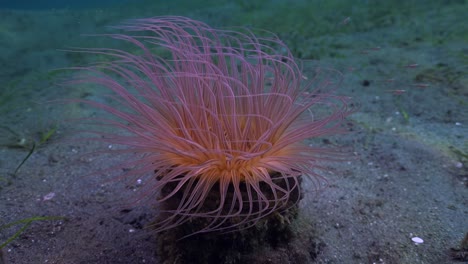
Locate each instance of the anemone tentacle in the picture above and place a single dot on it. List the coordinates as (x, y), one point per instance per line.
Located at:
(219, 111)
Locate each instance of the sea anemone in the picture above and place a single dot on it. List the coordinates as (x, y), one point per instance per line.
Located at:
(217, 118)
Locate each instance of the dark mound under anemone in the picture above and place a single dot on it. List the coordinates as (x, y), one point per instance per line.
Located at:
(182, 244)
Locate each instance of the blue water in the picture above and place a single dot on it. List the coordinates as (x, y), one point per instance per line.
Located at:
(57, 4)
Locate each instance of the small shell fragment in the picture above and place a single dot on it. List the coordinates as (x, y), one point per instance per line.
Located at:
(48, 196)
(417, 240)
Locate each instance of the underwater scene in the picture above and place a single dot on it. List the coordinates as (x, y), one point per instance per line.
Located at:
(234, 131)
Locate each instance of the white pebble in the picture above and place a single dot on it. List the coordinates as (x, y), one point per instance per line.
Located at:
(417, 240)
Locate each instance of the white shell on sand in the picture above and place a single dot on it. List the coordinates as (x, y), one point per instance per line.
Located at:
(417, 240)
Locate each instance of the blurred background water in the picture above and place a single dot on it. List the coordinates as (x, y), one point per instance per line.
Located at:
(58, 4)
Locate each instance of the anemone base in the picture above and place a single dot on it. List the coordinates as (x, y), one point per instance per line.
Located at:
(273, 234)
(235, 247)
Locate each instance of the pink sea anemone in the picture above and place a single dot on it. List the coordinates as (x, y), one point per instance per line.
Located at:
(218, 118)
